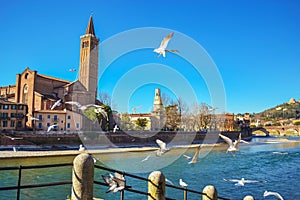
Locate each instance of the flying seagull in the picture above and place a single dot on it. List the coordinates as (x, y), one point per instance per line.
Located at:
(72, 70)
(195, 157)
(268, 193)
(34, 118)
(233, 146)
(57, 103)
(82, 107)
(145, 159)
(116, 183)
(50, 128)
(161, 50)
(101, 110)
(182, 184)
(242, 181)
(14, 138)
(81, 148)
(162, 147)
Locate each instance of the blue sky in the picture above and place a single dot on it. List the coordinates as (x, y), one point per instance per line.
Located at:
(255, 46)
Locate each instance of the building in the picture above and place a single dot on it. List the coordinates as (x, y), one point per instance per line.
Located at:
(12, 115)
(40, 92)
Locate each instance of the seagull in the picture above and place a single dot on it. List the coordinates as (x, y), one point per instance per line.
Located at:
(72, 70)
(116, 183)
(145, 159)
(81, 148)
(242, 181)
(82, 107)
(115, 128)
(14, 138)
(161, 50)
(167, 180)
(57, 103)
(34, 118)
(233, 146)
(101, 111)
(50, 128)
(267, 193)
(14, 149)
(195, 157)
(182, 184)
(162, 147)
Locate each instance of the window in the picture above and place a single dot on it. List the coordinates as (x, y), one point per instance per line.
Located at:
(69, 116)
(48, 116)
(5, 107)
(20, 107)
(19, 124)
(40, 117)
(77, 125)
(55, 118)
(25, 94)
(13, 107)
(12, 115)
(4, 123)
(12, 123)
(40, 125)
(68, 125)
(26, 76)
(48, 124)
(5, 116)
(0, 106)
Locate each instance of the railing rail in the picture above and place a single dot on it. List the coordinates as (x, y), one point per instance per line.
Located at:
(19, 186)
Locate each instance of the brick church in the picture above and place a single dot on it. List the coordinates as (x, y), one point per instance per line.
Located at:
(40, 92)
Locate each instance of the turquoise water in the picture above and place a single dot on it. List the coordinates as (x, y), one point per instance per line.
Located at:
(277, 164)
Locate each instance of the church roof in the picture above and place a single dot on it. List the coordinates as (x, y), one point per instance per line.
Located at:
(90, 29)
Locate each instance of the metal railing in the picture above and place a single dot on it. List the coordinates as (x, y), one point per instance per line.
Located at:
(19, 186)
(185, 190)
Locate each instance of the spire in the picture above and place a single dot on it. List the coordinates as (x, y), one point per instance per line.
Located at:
(90, 29)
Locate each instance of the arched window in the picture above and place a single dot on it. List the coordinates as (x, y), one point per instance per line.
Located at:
(25, 94)
(26, 76)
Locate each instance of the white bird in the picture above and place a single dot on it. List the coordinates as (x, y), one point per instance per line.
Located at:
(182, 184)
(195, 157)
(145, 159)
(14, 149)
(242, 181)
(57, 103)
(268, 193)
(50, 128)
(101, 111)
(115, 128)
(81, 148)
(72, 70)
(116, 183)
(34, 118)
(233, 146)
(162, 147)
(167, 180)
(14, 138)
(161, 50)
(82, 107)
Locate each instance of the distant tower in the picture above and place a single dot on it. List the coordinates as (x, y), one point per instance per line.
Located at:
(88, 70)
(157, 100)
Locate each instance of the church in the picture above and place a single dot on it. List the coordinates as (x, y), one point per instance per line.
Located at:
(40, 92)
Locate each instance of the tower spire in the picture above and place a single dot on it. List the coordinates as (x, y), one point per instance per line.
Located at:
(90, 28)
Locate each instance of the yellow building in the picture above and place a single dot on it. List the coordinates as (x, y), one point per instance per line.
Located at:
(12, 115)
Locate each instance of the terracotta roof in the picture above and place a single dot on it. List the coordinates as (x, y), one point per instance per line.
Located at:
(90, 29)
(53, 78)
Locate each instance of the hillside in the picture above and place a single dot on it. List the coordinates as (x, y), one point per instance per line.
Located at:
(289, 110)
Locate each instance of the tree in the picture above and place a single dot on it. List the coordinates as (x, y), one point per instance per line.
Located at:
(141, 122)
(125, 122)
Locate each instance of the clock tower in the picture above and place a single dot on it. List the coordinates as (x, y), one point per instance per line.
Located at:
(88, 69)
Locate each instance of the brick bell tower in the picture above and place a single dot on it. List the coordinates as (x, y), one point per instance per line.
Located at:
(88, 69)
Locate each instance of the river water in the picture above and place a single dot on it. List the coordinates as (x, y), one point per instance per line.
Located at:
(273, 161)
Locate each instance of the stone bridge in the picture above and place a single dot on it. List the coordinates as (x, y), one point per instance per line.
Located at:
(277, 130)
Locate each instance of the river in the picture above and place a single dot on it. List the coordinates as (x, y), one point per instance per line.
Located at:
(275, 162)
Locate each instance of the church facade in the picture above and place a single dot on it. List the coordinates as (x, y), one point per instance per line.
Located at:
(40, 92)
